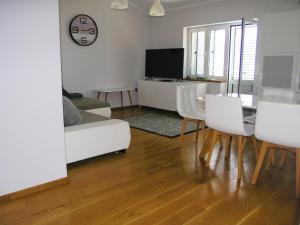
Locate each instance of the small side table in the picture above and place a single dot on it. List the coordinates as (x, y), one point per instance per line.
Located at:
(106, 91)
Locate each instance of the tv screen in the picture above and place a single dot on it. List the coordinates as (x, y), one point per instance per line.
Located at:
(164, 63)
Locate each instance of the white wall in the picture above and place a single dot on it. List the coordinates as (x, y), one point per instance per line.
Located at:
(167, 32)
(115, 59)
(32, 147)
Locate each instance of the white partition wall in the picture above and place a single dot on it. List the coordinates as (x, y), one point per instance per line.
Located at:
(280, 50)
(32, 149)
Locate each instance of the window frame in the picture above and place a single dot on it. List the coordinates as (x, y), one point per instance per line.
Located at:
(230, 60)
(207, 30)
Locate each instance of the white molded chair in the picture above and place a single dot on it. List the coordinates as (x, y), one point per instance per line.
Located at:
(269, 94)
(277, 126)
(224, 115)
(189, 107)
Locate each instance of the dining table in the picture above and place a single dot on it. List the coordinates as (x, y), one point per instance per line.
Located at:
(250, 101)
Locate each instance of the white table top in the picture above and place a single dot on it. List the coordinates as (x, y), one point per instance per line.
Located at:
(251, 101)
(115, 89)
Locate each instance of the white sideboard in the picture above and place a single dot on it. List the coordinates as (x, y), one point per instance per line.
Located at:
(162, 95)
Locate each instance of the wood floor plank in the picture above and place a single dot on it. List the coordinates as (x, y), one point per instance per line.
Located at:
(183, 215)
(159, 182)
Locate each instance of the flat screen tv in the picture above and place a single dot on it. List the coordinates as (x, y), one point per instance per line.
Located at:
(164, 63)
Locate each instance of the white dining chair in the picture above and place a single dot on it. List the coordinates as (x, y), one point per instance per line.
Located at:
(277, 126)
(269, 93)
(190, 108)
(224, 115)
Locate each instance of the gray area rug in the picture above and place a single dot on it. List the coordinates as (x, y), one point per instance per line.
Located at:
(162, 123)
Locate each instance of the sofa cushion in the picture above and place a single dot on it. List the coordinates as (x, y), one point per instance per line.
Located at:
(87, 117)
(89, 103)
(71, 113)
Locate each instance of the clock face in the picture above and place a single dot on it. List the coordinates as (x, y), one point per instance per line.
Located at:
(83, 30)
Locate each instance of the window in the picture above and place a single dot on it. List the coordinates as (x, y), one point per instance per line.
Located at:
(214, 51)
(249, 52)
(198, 48)
(208, 51)
(217, 52)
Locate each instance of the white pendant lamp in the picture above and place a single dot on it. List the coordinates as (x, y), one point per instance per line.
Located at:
(119, 4)
(157, 9)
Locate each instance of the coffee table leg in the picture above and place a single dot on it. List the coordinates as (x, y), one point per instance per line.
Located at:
(121, 98)
(98, 95)
(130, 98)
(106, 96)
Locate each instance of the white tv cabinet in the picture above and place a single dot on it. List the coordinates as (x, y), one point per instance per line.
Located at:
(162, 95)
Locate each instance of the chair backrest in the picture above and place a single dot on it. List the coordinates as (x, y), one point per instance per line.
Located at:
(187, 102)
(224, 114)
(201, 90)
(278, 123)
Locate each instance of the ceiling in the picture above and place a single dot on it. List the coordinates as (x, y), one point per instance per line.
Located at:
(170, 4)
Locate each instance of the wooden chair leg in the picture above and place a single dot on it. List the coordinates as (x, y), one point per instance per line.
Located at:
(197, 132)
(270, 159)
(221, 142)
(228, 146)
(298, 173)
(273, 157)
(255, 146)
(260, 160)
(211, 146)
(182, 129)
(206, 144)
(282, 158)
(203, 132)
(241, 145)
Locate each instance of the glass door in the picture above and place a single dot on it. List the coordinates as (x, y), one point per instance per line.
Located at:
(242, 57)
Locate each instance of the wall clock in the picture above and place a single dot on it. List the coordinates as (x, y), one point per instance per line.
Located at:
(83, 30)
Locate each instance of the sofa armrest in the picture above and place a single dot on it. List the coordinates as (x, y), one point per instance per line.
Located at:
(93, 139)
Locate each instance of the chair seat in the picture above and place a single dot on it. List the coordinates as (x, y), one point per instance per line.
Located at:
(249, 129)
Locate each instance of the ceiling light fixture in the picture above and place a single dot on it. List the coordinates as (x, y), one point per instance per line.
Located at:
(119, 4)
(157, 9)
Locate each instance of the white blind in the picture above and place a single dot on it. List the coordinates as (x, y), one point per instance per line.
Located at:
(198, 53)
(249, 52)
(217, 52)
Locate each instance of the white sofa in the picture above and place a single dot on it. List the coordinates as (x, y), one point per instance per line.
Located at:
(105, 111)
(96, 138)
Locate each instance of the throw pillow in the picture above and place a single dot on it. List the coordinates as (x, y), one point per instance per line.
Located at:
(71, 113)
(71, 95)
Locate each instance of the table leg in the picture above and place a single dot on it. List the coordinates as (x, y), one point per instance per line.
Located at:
(98, 95)
(106, 94)
(130, 98)
(121, 98)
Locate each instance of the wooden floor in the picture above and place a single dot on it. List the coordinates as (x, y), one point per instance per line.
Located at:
(158, 182)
